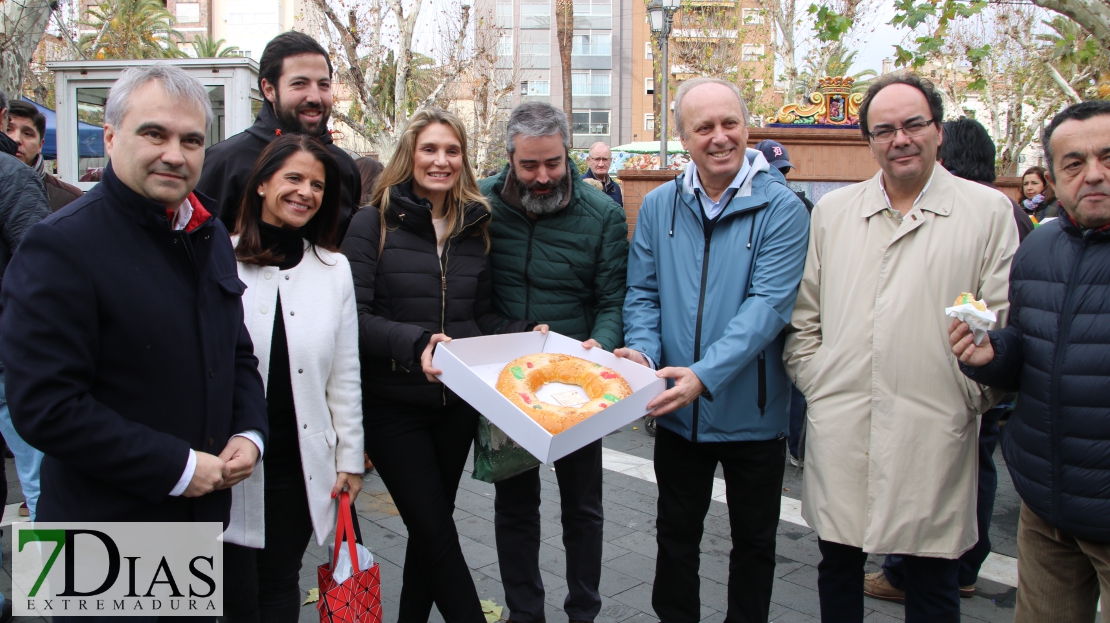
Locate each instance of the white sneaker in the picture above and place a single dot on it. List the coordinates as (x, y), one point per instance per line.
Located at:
(796, 462)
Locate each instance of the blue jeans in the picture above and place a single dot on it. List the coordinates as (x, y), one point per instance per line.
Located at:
(796, 440)
(27, 458)
(973, 558)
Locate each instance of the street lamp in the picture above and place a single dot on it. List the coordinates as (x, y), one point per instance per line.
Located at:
(661, 13)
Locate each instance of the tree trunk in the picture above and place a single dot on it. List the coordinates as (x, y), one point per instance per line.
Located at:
(783, 13)
(22, 25)
(564, 20)
(407, 24)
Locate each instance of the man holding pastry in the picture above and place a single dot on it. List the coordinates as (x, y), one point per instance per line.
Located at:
(559, 250)
(712, 276)
(1056, 354)
(891, 454)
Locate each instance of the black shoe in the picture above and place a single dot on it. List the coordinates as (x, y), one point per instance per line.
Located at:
(649, 425)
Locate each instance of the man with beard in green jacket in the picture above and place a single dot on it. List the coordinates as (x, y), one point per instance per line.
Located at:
(559, 250)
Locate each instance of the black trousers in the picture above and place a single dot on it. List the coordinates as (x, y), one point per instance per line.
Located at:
(420, 453)
(264, 584)
(753, 476)
(932, 594)
(517, 529)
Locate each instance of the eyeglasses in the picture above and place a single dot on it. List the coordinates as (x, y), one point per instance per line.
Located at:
(886, 135)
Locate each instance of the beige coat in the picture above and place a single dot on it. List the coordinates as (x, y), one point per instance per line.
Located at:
(891, 450)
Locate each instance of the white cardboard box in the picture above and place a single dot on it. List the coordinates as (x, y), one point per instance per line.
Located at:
(471, 366)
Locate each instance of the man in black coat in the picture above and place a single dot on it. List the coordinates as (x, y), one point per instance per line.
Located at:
(294, 75)
(129, 364)
(1056, 354)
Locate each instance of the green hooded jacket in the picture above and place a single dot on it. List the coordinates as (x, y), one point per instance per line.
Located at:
(566, 269)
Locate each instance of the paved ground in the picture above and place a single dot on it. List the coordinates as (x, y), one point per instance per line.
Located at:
(629, 553)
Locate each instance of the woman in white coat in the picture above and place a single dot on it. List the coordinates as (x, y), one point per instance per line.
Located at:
(299, 308)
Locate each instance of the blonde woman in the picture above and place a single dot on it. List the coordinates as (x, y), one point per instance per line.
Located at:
(300, 311)
(422, 276)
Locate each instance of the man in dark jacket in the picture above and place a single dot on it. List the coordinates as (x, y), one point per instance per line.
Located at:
(559, 250)
(294, 75)
(129, 364)
(22, 204)
(599, 159)
(27, 127)
(1056, 354)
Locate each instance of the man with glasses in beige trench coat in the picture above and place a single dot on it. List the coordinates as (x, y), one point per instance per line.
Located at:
(891, 451)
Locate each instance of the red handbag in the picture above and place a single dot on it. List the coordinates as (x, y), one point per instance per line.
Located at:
(359, 598)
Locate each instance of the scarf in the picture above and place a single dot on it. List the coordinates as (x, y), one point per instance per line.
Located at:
(40, 166)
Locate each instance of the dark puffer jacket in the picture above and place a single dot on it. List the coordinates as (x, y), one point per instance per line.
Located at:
(1056, 352)
(413, 293)
(23, 200)
(567, 269)
(229, 163)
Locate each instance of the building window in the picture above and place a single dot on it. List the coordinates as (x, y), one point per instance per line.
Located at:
(188, 12)
(751, 52)
(535, 15)
(649, 121)
(591, 122)
(593, 14)
(535, 49)
(757, 86)
(592, 44)
(594, 7)
(505, 45)
(751, 17)
(504, 15)
(649, 52)
(535, 88)
(586, 83)
(649, 86)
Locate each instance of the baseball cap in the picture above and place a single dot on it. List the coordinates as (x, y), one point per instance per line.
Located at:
(775, 154)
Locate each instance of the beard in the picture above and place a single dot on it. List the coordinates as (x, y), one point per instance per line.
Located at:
(290, 119)
(541, 204)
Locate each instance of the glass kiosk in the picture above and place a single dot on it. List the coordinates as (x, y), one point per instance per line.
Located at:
(82, 90)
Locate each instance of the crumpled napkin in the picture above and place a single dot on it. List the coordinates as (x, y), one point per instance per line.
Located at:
(342, 570)
(977, 321)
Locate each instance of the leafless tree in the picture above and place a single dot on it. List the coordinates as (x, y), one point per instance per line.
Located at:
(22, 25)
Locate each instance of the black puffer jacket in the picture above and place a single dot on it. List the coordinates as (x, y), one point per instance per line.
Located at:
(1056, 352)
(413, 293)
(228, 164)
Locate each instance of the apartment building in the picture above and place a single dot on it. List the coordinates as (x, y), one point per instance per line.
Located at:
(732, 39)
(250, 24)
(601, 72)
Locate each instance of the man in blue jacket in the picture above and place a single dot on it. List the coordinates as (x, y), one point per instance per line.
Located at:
(1056, 353)
(128, 363)
(712, 275)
